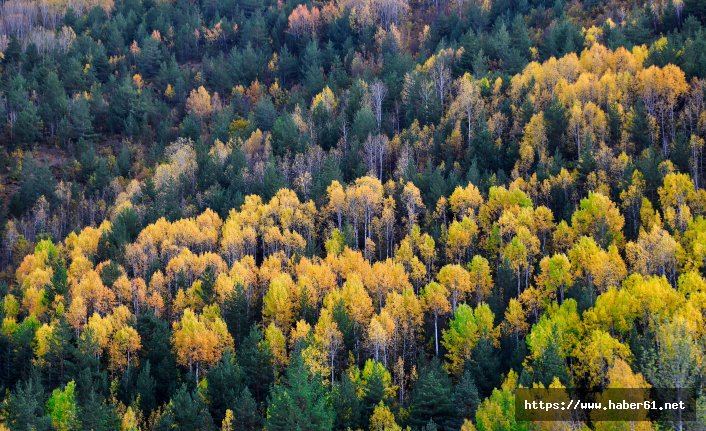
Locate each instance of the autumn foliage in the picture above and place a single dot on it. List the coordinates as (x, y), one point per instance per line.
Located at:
(354, 214)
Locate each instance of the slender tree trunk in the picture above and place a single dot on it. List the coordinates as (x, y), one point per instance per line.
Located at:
(332, 369)
(436, 333)
(469, 128)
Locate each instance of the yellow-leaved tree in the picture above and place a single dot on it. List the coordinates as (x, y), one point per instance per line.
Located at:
(199, 102)
(200, 340)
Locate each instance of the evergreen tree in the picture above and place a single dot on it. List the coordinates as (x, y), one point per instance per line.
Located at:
(256, 364)
(145, 387)
(84, 368)
(246, 412)
(550, 365)
(346, 404)
(186, 412)
(97, 415)
(272, 182)
(265, 114)
(432, 398)
(150, 57)
(22, 342)
(639, 132)
(80, 120)
(13, 53)
(285, 135)
(237, 314)
(54, 102)
(373, 393)
(35, 181)
(465, 398)
(484, 366)
(430, 426)
(26, 407)
(27, 125)
(56, 362)
(312, 69)
(300, 402)
(156, 348)
(123, 162)
(225, 385)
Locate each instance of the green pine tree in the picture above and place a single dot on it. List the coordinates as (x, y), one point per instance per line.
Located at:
(484, 366)
(465, 398)
(25, 407)
(187, 411)
(432, 399)
(246, 412)
(97, 415)
(346, 404)
(145, 387)
(225, 383)
(300, 402)
(256, 363)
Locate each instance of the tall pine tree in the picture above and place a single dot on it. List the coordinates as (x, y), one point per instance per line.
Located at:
(300, 402)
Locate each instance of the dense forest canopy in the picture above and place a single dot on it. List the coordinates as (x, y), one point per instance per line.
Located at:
(354, 214)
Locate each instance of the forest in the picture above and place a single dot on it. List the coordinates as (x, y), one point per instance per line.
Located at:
(378, 215)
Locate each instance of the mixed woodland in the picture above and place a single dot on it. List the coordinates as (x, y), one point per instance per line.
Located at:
(356, 214)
